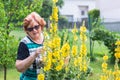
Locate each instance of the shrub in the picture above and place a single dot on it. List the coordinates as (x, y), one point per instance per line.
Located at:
(109, 39)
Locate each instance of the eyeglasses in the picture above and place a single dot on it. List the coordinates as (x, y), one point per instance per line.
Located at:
(31, 29)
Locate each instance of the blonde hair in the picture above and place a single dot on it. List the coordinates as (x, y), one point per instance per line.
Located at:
(36, 17)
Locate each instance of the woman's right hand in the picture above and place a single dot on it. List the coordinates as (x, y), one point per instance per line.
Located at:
(39, 51)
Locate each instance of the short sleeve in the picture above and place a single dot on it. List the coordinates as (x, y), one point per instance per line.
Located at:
(22, 52)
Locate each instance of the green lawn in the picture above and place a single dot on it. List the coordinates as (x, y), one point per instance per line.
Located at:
(99, 51)
(18, 33)
(12, 74)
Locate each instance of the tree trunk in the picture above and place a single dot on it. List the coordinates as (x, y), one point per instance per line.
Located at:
(5, 71)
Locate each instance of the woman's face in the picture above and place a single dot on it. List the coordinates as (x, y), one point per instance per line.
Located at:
(34, 30)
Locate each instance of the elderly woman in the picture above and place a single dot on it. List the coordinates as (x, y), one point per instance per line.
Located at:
(28, 55)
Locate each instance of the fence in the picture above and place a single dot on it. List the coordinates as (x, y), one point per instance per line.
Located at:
(111, 26)
(70, 25)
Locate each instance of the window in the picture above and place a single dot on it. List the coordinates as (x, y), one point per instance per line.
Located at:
(83, 10)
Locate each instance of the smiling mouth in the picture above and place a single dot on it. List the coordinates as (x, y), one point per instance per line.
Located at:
(35, 33)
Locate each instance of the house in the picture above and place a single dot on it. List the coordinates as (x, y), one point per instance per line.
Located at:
(110, 13)
(109, 10)
(77, 10)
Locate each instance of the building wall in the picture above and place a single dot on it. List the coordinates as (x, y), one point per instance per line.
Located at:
(72, 7)
(110, 9)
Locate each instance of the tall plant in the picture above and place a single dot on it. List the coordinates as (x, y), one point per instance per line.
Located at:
(62, 63)
(55, 57)
(115, 73)
(93, 23)
(108, 38)
(11, 15)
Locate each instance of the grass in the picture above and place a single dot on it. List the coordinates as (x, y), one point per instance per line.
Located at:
(96, 69)
(12, 74)
(18, 33)
(99, 51)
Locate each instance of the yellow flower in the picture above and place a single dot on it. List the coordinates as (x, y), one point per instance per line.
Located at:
(104, 65)
(83, 50)
(74, 50)
(80, 59)
(75, 38)
(47, 66)
(54, 60)
(48, 62)
(55, 16)
(49, 55)
(103, 77)
(81, 67)
(55, 1)
(83, 29)
(75, 62)
(55, 9)
(51, 31)
(57, 55)
(117, 43)
(105, 58)
(52, 43)
(117, 55)
(85, 68)
(41, 77)
(45, 34)
(83, 37)
(44, 58)
(116, 73)
(55, 28)
(65, 50)
(58, 68)
(50, 17)
(117, 49)
(61, 62)
(55, 13)
(57, 41)
(74, 30)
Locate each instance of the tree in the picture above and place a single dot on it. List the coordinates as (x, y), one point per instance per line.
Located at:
(93, 23)
(47, 8)
(12, 13)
